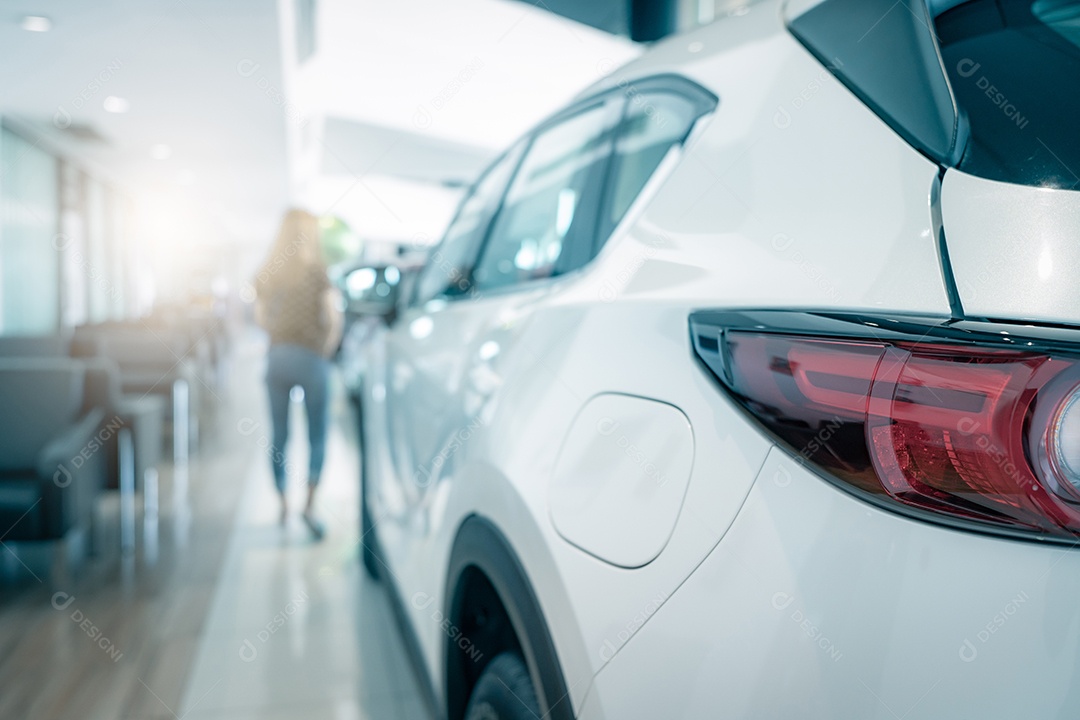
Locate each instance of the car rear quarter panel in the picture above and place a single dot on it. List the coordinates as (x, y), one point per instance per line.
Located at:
(796, 194)
(818, 605)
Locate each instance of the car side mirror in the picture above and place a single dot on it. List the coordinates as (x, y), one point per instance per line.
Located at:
(370, 291)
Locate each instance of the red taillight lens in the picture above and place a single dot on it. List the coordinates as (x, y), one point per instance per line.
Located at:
(957, 430)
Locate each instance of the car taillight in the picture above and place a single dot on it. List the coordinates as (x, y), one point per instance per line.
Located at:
(946, 423)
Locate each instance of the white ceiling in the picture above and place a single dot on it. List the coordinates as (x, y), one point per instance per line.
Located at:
(176, 62)
(456, 81)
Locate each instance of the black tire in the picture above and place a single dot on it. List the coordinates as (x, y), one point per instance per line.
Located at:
(504, 691)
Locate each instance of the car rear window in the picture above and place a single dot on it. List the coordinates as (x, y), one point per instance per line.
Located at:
(986, 86)
(1013, 66)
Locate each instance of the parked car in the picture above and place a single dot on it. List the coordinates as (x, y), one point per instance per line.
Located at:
(369, 289)
(371, 294)
(748, 385)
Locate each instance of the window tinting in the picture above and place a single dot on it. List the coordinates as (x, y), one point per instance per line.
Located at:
(1012, 66)
(548, 220)
(447, 269)
(654, 122)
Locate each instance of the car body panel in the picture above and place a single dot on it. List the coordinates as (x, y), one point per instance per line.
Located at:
(740, 221)
(1015, 250)
(416, 533)
(619, 481)
(818, 605)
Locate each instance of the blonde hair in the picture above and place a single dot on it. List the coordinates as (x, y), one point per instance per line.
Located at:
(297, 249)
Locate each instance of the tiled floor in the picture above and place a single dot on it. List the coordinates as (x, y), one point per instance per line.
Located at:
(296, 629)
(233, 616)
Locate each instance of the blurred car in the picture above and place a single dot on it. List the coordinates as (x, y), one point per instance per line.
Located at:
(370, 294)
(368, 289)
(749, 384)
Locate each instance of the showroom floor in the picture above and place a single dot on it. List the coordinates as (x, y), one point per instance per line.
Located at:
(295, 629)
(230, 615)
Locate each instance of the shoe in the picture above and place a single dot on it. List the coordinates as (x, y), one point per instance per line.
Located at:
(316, 527)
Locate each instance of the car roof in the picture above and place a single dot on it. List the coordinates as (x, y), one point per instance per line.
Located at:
(693, 54)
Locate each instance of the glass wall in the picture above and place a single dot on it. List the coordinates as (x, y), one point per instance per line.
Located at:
(30, 243)
(121, 259)
(74, 283)
(97, 236)
(66, 251)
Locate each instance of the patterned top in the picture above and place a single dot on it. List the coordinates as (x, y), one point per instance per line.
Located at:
(295, 310)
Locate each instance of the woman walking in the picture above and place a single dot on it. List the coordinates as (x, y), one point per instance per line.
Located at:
(300, 310)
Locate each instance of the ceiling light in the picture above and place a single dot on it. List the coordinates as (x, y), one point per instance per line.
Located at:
(36, 23)
(161, 151)
(116, 104)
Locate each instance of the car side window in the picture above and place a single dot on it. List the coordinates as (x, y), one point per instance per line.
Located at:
(654, 122)
(447, 269)
(547, 222)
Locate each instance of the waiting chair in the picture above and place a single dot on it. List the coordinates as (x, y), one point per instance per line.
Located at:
(52, 464)
(130, 464)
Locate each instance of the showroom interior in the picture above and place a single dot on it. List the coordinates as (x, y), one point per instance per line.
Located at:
(509, 359)
(149, 150)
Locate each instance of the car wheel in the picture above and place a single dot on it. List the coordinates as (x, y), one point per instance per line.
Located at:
(504, 691)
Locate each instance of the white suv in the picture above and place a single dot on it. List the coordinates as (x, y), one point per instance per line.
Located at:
(747, 386)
